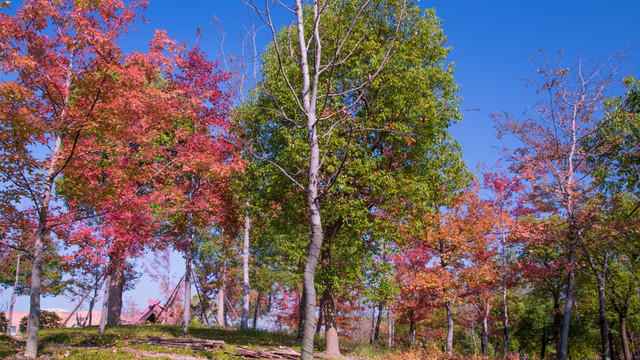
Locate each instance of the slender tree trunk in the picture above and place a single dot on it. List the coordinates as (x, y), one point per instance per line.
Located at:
(625, 338)
(390, 327)
(13, 295)
(505, 308)
(543, 347)
(116, 285)
(33, 324)
(485, 328)
(604, 324)
(330, 325)
(376, 336)
(412, 327)
(31, 348)
(301, 309)
(373, 324)
(255, 313)
(313, 204)
(557, 321)
(244, 321)
(188, 258)
(320, 316)
(612, 344)
(105, 306)
(96, 288)
(220, 318)
(473, 336)
(564, 336)
(76, 309)
(449, 348)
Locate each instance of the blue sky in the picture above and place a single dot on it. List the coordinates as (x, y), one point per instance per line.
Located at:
(491, 42)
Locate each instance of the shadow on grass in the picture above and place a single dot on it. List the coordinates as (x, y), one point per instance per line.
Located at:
(248, 337)
(89, 337)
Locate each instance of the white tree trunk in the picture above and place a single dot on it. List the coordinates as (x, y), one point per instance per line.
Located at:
(244, 321)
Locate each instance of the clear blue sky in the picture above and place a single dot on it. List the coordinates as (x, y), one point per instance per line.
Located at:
(490, 41)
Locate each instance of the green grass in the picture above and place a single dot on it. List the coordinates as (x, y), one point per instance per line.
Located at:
(129, 342)
(8, 347)
(122, 342)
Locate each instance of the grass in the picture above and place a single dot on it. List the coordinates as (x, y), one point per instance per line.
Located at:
(122, 342)
(129, 342)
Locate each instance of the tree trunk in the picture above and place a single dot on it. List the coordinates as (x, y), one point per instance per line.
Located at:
(505, 321)
(625, 338)
(116, 285)
(376, 336)
(320, 316)
(301, 309)
(105, 306)
(557, 321)
(449, 348)
(244, 321)
(604, 324)
(473, 336)
(313, 204)
(543, 348)
(255, 313)
(220, 318)
(412, 327)
(330, 326)
(484, 343)
(373, 324)
(13, 295)
(564, 336)
(390, 327)
(96, 288)
(188, 257)
(33, 324)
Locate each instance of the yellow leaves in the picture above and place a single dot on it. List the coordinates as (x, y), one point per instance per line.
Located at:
(4, 4)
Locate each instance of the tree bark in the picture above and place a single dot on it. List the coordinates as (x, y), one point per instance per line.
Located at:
(220, 316)
(625, 338)
(412, 327)
(473, 336)
(449, 348)
(484, 343)
(116, 286)
(604, 324)
(376, 336)
(188, 258)
(390, 327)
(373, 324)
(105, 306)
(13, 295)
(255, 313)
(564, 336)
(31, 349)
(244, 321)
(301, 309)
(505, 308)
(96, 289)
(543, 348)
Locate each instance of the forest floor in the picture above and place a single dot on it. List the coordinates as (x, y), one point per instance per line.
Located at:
(163, 342)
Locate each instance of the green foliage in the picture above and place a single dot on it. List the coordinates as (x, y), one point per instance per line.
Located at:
(3, 322)
(386, 156)
(618, 138)
(48, 320)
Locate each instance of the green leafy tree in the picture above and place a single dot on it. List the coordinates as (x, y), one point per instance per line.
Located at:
(368, 153)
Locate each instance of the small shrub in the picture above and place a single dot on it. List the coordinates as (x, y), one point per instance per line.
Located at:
(48, 320)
